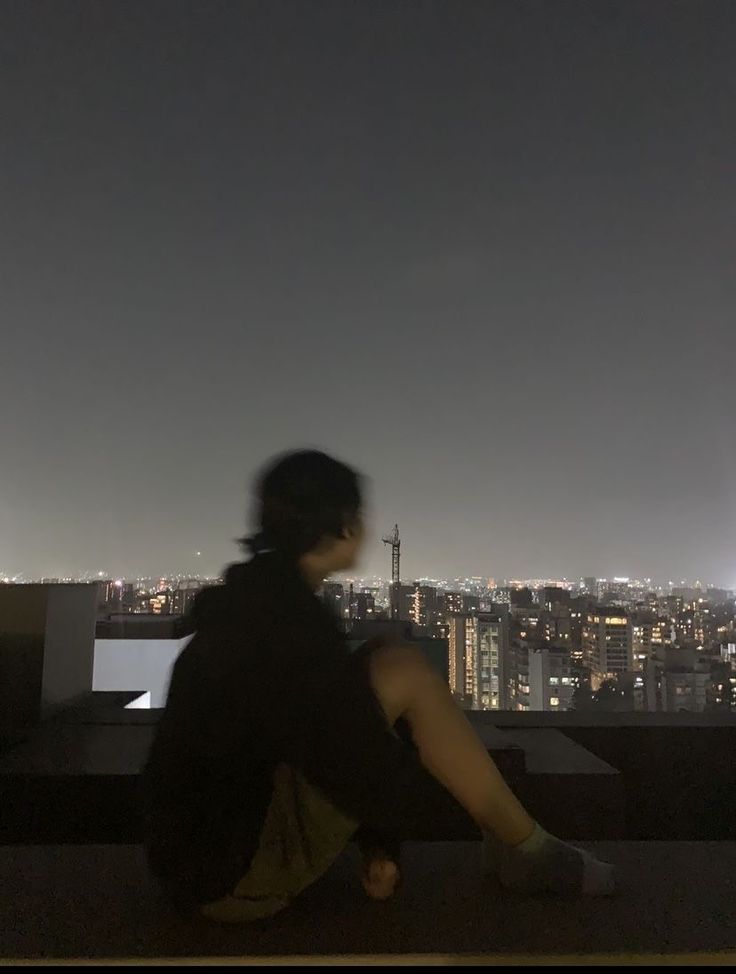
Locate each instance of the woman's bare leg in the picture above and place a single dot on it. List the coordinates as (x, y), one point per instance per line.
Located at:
(408, 686)
(520, 853)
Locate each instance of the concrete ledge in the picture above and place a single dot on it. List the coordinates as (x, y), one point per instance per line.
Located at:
(99, 902)
(697, 959)
(570, 791)
(75, 778)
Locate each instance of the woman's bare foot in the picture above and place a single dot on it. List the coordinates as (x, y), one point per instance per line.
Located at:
(380, 877)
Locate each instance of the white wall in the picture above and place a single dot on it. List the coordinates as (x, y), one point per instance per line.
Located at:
(136, 664)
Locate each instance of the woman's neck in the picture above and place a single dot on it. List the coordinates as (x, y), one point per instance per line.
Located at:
(311, 571)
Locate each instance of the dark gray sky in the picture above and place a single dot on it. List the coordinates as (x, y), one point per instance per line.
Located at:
(483, 250)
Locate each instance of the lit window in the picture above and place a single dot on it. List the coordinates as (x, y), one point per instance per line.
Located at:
(554, 701)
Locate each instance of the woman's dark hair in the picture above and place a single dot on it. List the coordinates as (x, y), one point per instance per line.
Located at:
(301, 497)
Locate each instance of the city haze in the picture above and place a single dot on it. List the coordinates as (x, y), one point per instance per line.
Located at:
(483, 251)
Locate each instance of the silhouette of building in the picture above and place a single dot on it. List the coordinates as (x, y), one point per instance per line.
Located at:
(333, 595)
(452, 603)
(184, 595)
(402, 596)
(361, 605)
(551, 678)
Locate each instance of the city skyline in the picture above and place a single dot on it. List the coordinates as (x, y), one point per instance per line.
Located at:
(602, 644)
(481, 251)
(366, 580)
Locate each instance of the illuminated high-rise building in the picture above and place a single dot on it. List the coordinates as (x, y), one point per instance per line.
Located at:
(457, 661)
(478, 654)
(607, 644)
(425, 606)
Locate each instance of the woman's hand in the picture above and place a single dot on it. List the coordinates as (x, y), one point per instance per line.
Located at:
(381, 875)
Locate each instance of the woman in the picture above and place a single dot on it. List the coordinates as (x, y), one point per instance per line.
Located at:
(276, 744)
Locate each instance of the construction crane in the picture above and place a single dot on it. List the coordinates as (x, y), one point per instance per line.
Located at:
(394, 540)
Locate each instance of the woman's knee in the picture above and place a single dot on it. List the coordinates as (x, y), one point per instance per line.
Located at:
(399, 673)
(397, 660)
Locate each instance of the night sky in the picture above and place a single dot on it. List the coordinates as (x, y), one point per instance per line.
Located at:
(483, 251)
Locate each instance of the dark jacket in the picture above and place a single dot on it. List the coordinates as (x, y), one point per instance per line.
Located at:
(267, 678)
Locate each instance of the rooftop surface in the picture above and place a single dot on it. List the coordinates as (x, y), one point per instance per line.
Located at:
(91, 902)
